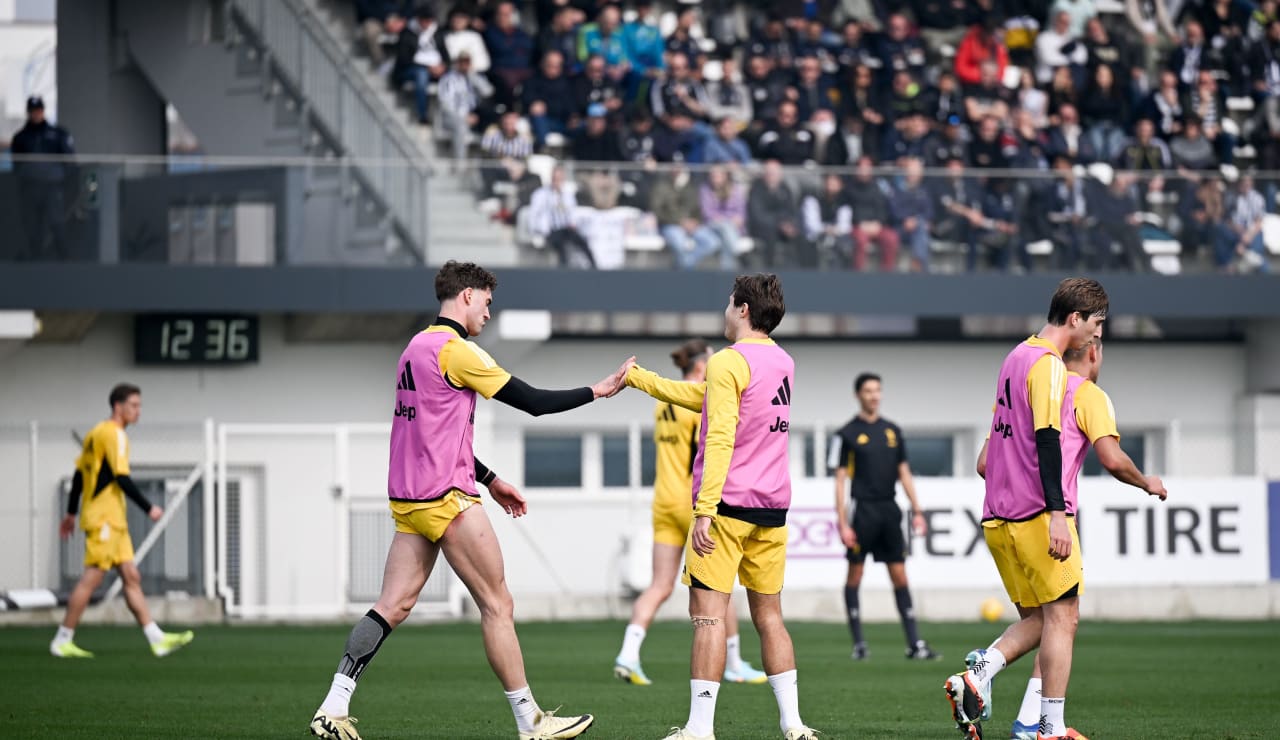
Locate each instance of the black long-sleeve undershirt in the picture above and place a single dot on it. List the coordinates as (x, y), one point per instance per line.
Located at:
(484, 476)
(1049, 457)
(538, 401)
(125, 482)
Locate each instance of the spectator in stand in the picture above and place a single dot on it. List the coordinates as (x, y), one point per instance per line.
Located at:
(724, 211)
(871, 219)
(1115, 220)
(728, 96)
(989, 97)
(905, 99)
(912, 211)
(852, 51)
(674, 203)
(767, 87)
(816, 41)
(1262, 16)
(644, 46)
(595, 142)
(1247, 209)
(1205, 221)
(830, 142)
(957, 208)
(898, 50)
(511, 52)
(1080, 11)
(561, 35)
(945, 100)
(371, 17)
(774, 42)
(1062, 91)
(1164, 106)
(1191, 54)
(548, 98)
(1115, 52)
(771, 218)
(460, 38)
(998, 230)
(812, 89)
(420, 57)
(910, 142)
(1190, 151)
(864, 105)
(981, 44)
(1105, 110)
(551, 215)
(1066, 136)
(1030, 144)
(989, 149)
(505, 140)
(682, 41)
(461, 93)
(638, 143)
(679, 94)
(828, 225)
(941, 21)
(1205, 101)
(784, 139)
(595, 86)
(604, 38)
(41, 185)
(677, 138)
(1032, 99)
(1056, 48)
(1224, 23)
(1151, 19)
(1264, 64)
(1146, 153)
(950, 145)
(1068, 214)
(726, 147)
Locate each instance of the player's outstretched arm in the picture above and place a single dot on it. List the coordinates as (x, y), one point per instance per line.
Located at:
(538, 401)
(1122, 468)
(679, 392)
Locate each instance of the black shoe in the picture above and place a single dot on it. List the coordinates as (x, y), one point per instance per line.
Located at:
(860, 651)
(922, 651)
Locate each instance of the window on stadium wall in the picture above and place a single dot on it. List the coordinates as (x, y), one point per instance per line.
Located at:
(616, 450)
(553, 461)
(648, 458)
(1134, 445)
(931, 454)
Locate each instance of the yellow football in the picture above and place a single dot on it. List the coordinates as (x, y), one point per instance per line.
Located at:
(992, 610)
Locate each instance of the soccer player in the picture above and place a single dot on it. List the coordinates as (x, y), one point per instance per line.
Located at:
(742, 489)
(1027, 521)
(431, 482)
(103, 468)
(675, 437)
(1088, 417)
(870, 452)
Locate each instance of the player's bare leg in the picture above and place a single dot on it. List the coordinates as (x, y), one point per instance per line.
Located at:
(1060, 620)
(62, 645)
(1027, 724)
(409, 562)
(737, 670)
(970, 692)
(706, 662)
(162, 643)
(666, 566)
(471, 547)
(779, 661)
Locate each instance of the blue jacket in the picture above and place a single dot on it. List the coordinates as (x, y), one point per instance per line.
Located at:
(643, 46)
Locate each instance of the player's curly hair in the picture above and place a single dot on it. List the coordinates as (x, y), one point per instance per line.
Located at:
(455, 277)
(762, 293)
(1078, 294)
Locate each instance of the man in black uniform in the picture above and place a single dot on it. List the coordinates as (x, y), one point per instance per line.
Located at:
(870, 450)
(40, 184)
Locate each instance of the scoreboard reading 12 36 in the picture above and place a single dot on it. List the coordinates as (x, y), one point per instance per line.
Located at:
(195, 339)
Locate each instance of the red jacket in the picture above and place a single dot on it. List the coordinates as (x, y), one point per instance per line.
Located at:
(974, 51)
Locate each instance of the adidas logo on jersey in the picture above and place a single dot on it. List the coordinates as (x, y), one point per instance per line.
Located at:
(406, 379)
(783, 398)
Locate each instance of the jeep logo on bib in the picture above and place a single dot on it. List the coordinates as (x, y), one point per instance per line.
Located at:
(408, 412)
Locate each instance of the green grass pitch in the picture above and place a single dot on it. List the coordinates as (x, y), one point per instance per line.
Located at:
(1183, 680)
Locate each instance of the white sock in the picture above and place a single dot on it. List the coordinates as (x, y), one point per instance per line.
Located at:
(632, 639)
(1029, 714)
(733, 653)
(65, 634)
(1051, 722)
(786, 690)
(702, 707)
(988, 666)
(524, 708)
(338, 702)
(153, 632)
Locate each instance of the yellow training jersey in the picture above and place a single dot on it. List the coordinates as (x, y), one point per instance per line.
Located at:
(675, 437)
(105, 456)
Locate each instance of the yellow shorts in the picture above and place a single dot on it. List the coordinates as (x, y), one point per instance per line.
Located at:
(756, 555)
(431, 518)
(106, 547)
(671, 524)
(1021, 551)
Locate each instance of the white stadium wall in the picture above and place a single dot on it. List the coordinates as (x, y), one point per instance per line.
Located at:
(569, 556)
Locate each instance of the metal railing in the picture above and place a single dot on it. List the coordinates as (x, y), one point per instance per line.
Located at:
(343, 107)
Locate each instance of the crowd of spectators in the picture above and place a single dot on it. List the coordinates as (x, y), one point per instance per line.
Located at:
(965, 88)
